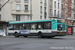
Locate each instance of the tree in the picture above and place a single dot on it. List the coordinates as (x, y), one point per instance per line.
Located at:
(4, 4)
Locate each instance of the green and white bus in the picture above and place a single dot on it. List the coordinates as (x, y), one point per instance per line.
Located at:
(40, 28)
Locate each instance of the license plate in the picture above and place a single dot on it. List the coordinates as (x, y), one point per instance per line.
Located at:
(60, 32)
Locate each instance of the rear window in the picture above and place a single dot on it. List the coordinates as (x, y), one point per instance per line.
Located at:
(61, 26)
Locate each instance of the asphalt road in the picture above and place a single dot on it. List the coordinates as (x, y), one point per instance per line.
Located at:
(35, 43)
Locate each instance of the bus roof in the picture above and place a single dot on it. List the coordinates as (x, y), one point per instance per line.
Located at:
(17, 22)
(34, 21)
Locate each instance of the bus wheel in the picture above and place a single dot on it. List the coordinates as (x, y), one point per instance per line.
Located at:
(16, 35)
(25, 36)
(40, 35)
(53, 36)
(49, 37)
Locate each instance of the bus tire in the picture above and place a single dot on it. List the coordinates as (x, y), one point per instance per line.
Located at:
(16, 35)
(50, 37)
(25, 36)
(40, 35)
(53, 36)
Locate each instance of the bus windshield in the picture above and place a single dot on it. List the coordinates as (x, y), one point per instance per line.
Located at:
(61, 21)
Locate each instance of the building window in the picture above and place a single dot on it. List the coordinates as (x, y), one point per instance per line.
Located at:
(18, 1)
(0, 7)
(58, 5)
(45, 9)
(30, 17)
(55, 4)
(40, 17)
(65, 1)
(62, 1)
(50, 3)
(74, 16)
(58, 13)
(18, 7)
(40, 8)
(26, 7)
(62, 6)
(17, 17)
(45, 17)
(50, 12)
(26, 18)
(25, 0)
(45, 2)
(65, 8)
(62, 14)
(44, 12)
(41, 1)
(55, 13)
(70, 15)
(0, 17)
(66, 15)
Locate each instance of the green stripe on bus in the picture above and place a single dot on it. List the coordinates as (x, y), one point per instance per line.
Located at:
(29, 21)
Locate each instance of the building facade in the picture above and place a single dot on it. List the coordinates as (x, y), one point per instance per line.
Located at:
(23, 10)
(68, 11)
(16, 10)
(73, 11)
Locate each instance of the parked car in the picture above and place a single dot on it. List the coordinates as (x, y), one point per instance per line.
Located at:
(1, 33)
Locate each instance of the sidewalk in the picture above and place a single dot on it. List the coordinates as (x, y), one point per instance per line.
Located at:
(71, 35)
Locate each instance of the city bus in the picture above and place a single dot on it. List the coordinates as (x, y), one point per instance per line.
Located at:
(41, 28)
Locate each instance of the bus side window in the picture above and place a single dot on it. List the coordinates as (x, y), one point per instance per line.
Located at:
(40, 26)
(24, 27)
(34, 26)
(11, 27)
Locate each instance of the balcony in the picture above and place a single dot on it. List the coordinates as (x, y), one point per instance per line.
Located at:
(22, 12)
(26, 10)
(69, 18)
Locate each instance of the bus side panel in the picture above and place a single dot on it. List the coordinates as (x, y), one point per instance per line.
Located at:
(54, 25)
